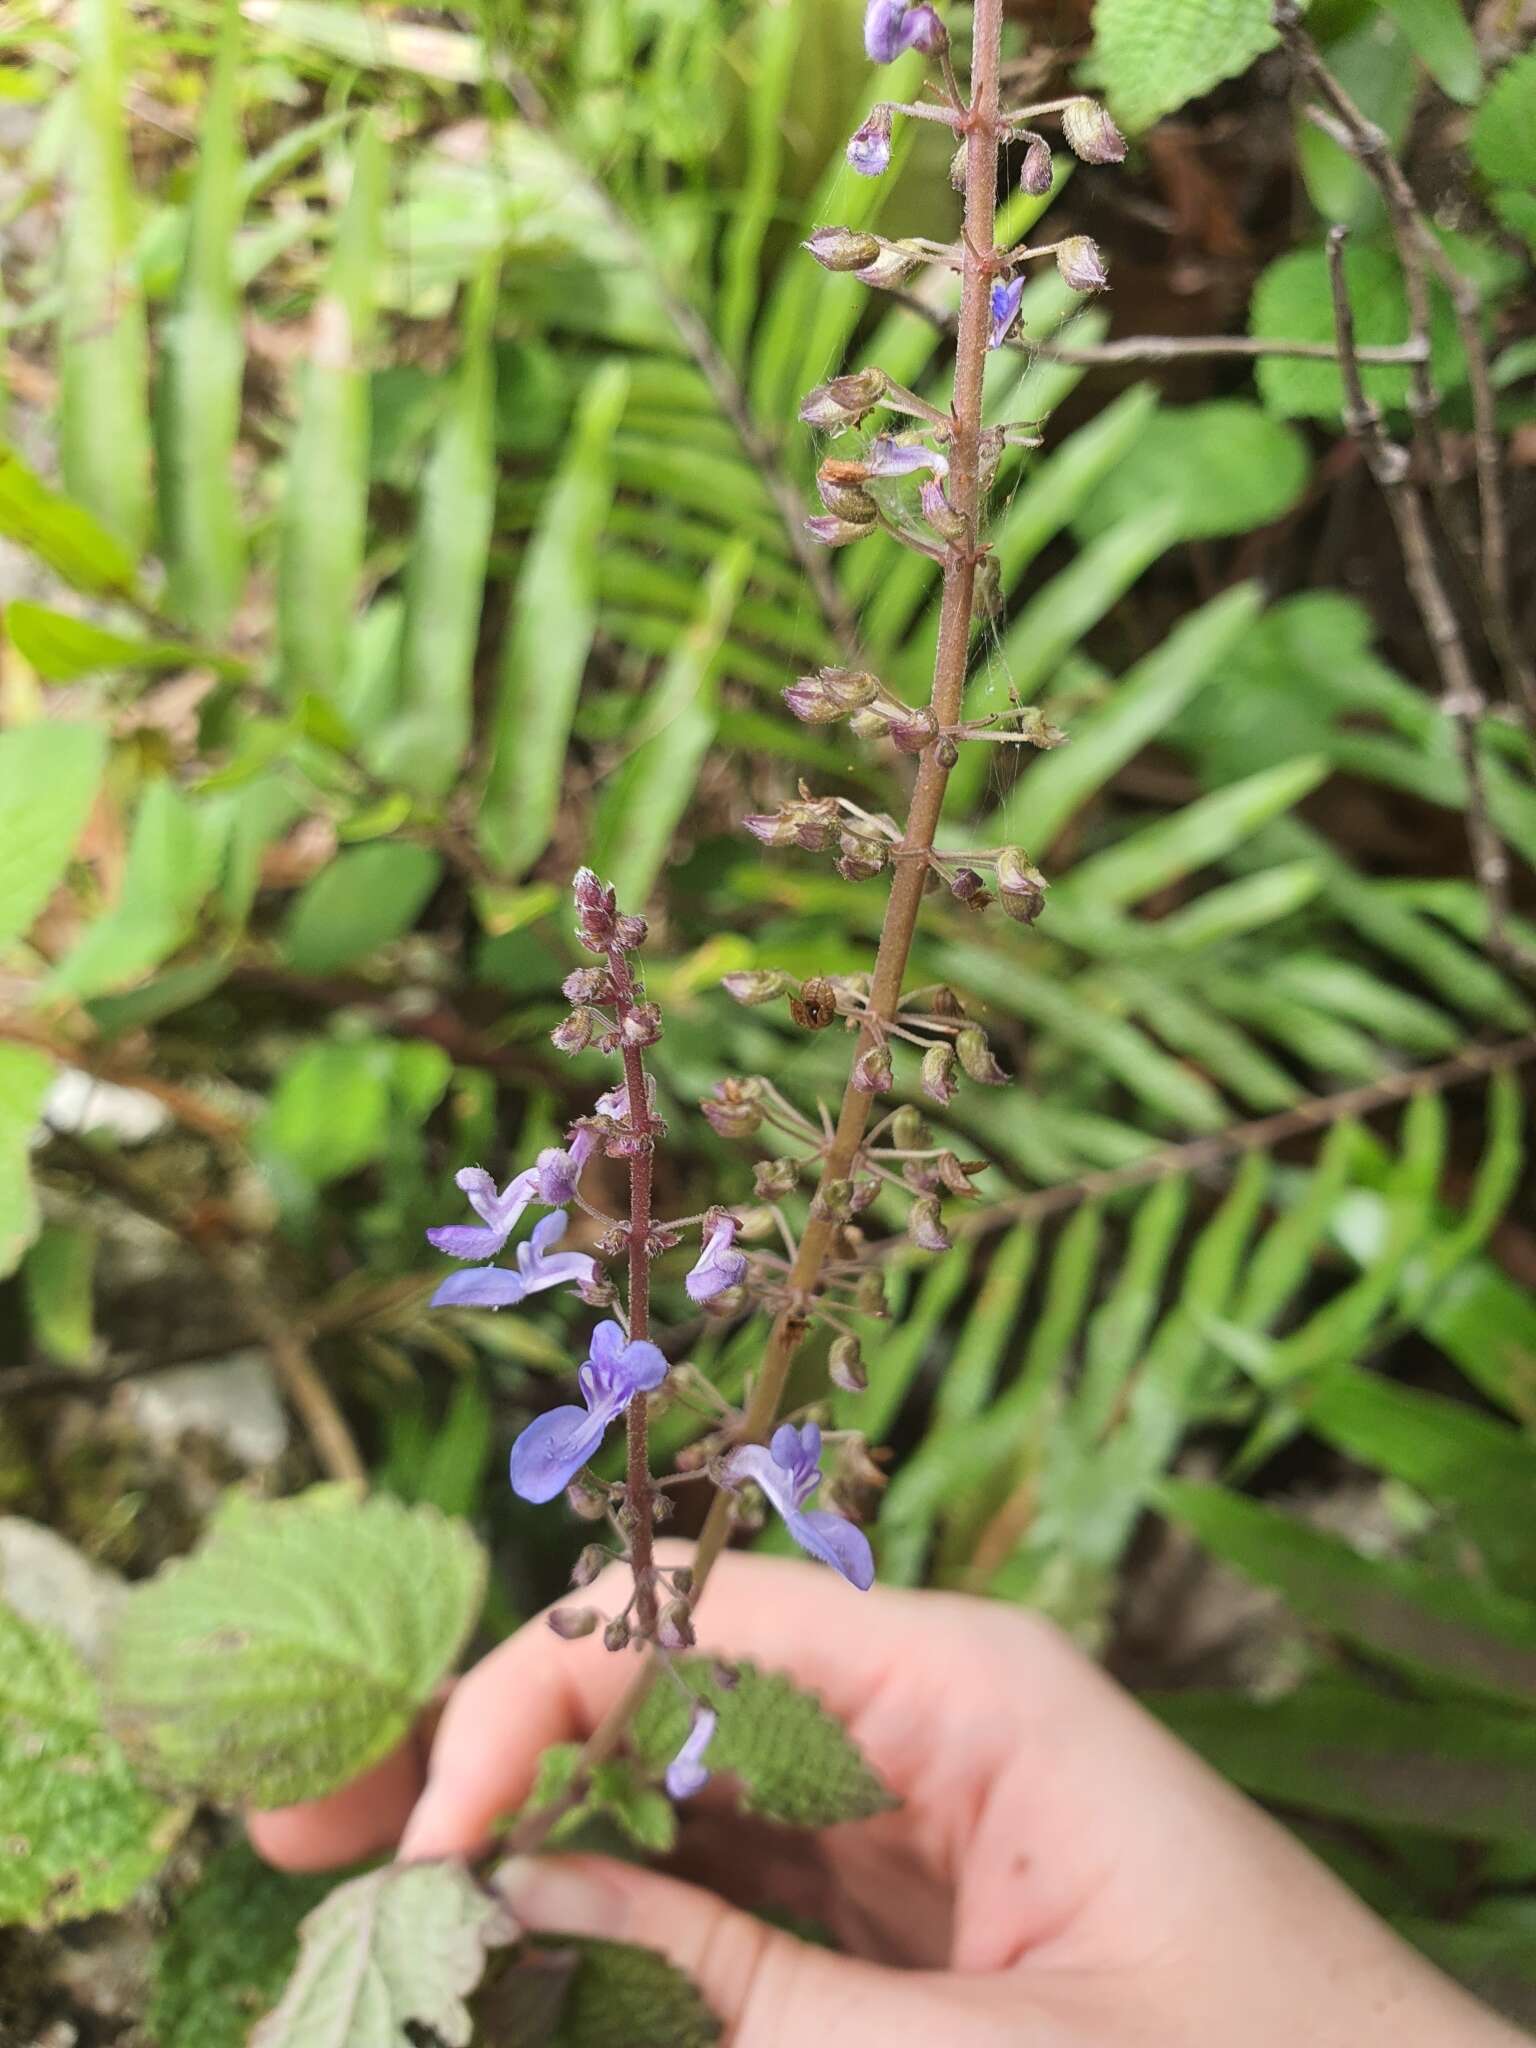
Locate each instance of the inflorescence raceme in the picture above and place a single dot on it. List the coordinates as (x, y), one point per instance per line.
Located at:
(798, 1250)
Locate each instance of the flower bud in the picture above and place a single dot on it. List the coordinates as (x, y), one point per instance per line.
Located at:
(946, 522)
(873, 1071)
(860, 858)
(772, 1179)
(574, 1033)
(642, 1024)
(893, 265)
(845, 1365)
(869, 146)
(833, 1201)
(587, 1566)
(866, 1190)
(956, 1176)
(759, 985)
(909, 1129)
(947, 752)
(834, 532)
(675, 1629)
(968, 888)
(918, 729)
(831, 694)
(925, 1226)
(570, 1623)
(939, 1073)
(871, 723)
(975, 1055)
(846, 500)
(587, 1501)
(1091, 134)
(1007, 297)
(842, 248)
(845, 400)
(1035, 178)
(732, 1119)
(869, 1295)
(1020, 885)
(587, 985)
(1081, 265)
(924, 31)
(616, 1634)
(815, 1007)
(629, 932)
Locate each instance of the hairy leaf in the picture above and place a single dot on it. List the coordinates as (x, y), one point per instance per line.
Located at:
(80, 1835)
(591, 1994)
(400, 1948)
(295, 1647)
(1153, 55)
(794, 1762)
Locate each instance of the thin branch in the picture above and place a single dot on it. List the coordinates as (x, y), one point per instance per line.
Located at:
(295, 1369)
(1461, 697)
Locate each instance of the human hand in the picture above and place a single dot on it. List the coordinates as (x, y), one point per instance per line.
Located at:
(1061, 1873)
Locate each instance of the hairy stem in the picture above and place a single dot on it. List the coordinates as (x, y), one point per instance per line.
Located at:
(638, 1498)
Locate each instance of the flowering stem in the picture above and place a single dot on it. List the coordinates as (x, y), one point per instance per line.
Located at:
(638, 1496)
(960, 560)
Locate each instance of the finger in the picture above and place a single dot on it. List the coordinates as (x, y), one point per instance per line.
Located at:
(769, 1989)
(537, 1689)
(361, 1819)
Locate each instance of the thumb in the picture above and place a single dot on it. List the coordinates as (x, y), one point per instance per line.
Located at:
(769, 1989)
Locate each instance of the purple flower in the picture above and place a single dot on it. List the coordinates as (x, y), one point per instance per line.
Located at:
(686, 1773)
(889, 457)
(788, 1472)
(1007, 295)
(463, 1240)
(891, 26)
(539, 1266)
(559, 1172)
(552, 1450)
(719, 1265)
(869, 146)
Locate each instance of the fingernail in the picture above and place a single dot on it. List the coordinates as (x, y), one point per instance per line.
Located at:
(562, 1897)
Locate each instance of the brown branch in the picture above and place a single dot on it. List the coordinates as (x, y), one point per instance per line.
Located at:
(1461, 696)
(285, 1342)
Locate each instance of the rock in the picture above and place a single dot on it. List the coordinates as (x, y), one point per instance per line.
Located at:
(53, 1585)
(234, 1401)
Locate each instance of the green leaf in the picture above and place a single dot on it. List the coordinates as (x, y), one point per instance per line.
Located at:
(794, 1762)
(1153, 55)
(397, 1949)
(71, 540)
(1293, 301)
(1503, 138)
(103, 384)
(553, 617)
(325, 505)
(56, 1279)
(202, 361)
(81, 1835)
(227, 1952)
(1226, 465)
(614, 1791)
(625, 1997)
(648, 794)
(63, 648)
(49, 775)
(365, 897)
(296, 1645)
(1443, 41)
(25, 1075)
(1437, 1627)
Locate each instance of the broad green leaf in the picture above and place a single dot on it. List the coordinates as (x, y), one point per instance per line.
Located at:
(1444, 43)
(1503, 138)
(49, 775)
(1455, 1769)
(324, 514)
(1292, 301)
(1056, 785)
(648, 794)
(63, 648)
(202, 360)
(1441, 1628)
(615, 1791)
(554, 609)
(81, 1834)
(1153, 55)
(398, 1949)
(570, 1993)
(65, 535)
(1226, 465)
(1374, 63)
(25, 1075)
(336, 1105)
(361, 900)
(103, 387)
(233, 1938)
(795, 1764)
(56, 1281)
(424, 747)
(295, 1646)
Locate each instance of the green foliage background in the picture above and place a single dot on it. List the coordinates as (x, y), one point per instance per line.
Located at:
(400, 489)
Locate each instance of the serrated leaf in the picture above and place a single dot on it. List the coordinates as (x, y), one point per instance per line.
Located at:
(399, 1948)
(295, 1647)
(1225, 464)
(49, 775)
(795, 1763)
(625, 1997)
(78, 1834)
(1503, 138)
(1153, 55)
(616, 1791)
(231, 1943)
